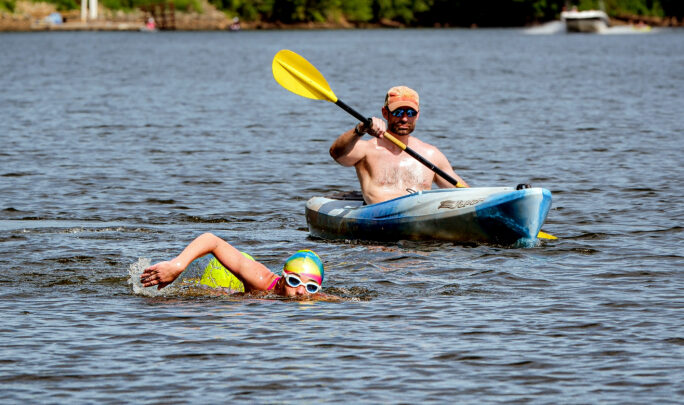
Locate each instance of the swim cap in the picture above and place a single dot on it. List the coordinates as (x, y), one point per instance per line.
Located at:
(307, 263)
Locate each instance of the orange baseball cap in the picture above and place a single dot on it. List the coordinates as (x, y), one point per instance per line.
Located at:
(402, 96)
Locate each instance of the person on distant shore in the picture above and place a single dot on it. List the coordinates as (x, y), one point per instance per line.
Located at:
(302, 273)
(384, 171)
(235, 25)
(151, 24)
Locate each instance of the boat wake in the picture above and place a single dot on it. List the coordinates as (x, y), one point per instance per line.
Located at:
(549, 28)
(628, 30)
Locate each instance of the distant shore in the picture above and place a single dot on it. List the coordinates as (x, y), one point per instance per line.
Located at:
(35, 19)
(182, 23)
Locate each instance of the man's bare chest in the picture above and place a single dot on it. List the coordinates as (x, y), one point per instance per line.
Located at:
(401, 170)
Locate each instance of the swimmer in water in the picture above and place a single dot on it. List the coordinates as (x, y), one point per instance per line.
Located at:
(302, 273)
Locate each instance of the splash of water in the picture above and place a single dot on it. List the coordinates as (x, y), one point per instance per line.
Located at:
(181, 287)
(134, 272)
(527, 243)
(550, 28)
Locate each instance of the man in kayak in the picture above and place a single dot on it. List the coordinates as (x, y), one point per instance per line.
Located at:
(302, 273)
(383, 170)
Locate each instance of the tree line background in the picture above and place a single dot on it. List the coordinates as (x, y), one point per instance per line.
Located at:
(484, 13)
(411, 13)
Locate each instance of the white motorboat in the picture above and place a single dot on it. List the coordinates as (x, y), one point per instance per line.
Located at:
(585, 21)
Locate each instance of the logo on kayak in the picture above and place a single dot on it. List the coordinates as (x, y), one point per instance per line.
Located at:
(451, 204)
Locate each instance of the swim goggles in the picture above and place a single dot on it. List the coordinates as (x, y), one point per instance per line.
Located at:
(294, 281)
(399, 112)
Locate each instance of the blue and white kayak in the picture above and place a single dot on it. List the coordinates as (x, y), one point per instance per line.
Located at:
(499, 215)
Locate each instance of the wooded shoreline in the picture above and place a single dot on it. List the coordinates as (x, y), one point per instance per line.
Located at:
(192, 23)
(34, 18)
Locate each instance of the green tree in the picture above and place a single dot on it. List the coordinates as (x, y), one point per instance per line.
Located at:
(357, 10)
(8, 5)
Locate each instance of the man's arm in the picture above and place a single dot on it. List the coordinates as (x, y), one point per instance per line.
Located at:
(443, 163)
(344, 150)
(343, 145)
(348, 150)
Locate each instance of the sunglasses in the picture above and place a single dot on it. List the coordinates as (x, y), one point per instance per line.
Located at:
(399, 112)
(294, 282)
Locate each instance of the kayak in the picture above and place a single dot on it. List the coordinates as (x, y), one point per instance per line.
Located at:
(498, 215)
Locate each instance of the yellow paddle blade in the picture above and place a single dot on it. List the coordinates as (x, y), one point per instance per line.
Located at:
(301, 77)
(544, 235)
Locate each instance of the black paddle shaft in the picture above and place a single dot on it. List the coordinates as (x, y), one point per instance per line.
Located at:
(355, 113)
(369, 122)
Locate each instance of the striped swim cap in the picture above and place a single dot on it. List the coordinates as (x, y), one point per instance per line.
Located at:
(307, 263)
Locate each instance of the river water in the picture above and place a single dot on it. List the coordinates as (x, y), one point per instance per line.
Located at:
(119, 148)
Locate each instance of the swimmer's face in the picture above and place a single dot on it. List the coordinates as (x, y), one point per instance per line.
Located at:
(302, 274)
(295, 284)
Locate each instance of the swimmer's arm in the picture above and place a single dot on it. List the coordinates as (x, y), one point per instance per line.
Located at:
(254, 275)
(251, 273)
(164, 273)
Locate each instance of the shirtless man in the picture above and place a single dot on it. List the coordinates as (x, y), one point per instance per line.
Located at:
(383, 170)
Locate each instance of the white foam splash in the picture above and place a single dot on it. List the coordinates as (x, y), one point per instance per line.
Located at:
(134, 272)
(549, 28)
(627, 30)
(527, 243)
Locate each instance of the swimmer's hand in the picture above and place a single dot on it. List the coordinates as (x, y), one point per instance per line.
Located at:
(161, 274)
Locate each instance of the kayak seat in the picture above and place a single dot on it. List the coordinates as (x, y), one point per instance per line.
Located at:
(346, 195)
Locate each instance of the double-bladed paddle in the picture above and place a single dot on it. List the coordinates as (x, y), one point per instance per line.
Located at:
(299, 76)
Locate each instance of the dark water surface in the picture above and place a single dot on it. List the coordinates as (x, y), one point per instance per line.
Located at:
(120, 148)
